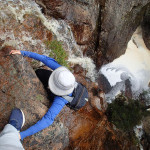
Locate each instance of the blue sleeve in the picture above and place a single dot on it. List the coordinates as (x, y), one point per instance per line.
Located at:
(50, 62)
(48, 118)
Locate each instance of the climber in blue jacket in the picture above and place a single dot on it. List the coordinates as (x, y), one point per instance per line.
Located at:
(61, 82)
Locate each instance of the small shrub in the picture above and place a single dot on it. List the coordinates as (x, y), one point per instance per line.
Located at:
(125, 113)
(57, 52)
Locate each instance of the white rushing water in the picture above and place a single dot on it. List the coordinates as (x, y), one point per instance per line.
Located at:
(133, 65)
(17, 9)
(138, 129)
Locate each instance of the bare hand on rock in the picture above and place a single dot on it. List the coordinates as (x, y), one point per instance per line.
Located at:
(15, 52)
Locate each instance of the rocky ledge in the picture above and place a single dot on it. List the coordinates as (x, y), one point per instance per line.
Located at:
(87, 128)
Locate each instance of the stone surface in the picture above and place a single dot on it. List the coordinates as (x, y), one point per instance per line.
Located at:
(119, 20)
(102, 29)
(20, 87)
(27, 33)
(145, 140)
(87, 128)
(81, 15)
(146, 27)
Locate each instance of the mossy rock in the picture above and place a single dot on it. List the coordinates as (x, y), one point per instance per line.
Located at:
(57, 52)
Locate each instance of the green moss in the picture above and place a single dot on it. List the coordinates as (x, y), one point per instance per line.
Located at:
(39, 97)
(57, 52)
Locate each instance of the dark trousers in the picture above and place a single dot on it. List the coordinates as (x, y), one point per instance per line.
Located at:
(43, 76)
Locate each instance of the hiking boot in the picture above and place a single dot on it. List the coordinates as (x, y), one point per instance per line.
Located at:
(17, 118)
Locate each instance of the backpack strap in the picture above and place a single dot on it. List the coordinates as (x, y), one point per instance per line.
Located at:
(70, 98)
(76, 84)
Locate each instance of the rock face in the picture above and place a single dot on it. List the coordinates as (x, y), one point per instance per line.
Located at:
(22, 26)
(81, 15)
(119, 21)
(20, 87)
(25, 32)
(102, 29)
(87, 128)
(146, 27)
(146, 136)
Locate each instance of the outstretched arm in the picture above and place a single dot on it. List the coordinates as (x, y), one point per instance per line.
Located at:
(50, 62)
(48, 119)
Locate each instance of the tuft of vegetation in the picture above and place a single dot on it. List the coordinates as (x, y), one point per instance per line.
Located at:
(57, 52)
(126, 113)
(39, 97)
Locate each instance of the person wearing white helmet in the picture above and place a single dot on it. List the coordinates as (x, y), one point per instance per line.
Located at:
(61, 83)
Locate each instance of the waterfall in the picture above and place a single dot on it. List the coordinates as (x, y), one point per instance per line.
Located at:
(17, 9)
(134, 66)
(138, 129)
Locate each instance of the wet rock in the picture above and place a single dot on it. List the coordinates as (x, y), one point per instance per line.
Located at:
(146, 27)
(78, 69)
(104, 84)
(81, 15)
(1, 42)
(145, 140)
(119, 21)
(101, 29)
(146, 126)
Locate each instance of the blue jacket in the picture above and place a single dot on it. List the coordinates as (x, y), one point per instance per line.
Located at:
(58, 102)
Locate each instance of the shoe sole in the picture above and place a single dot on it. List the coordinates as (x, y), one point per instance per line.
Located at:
(23, 118)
